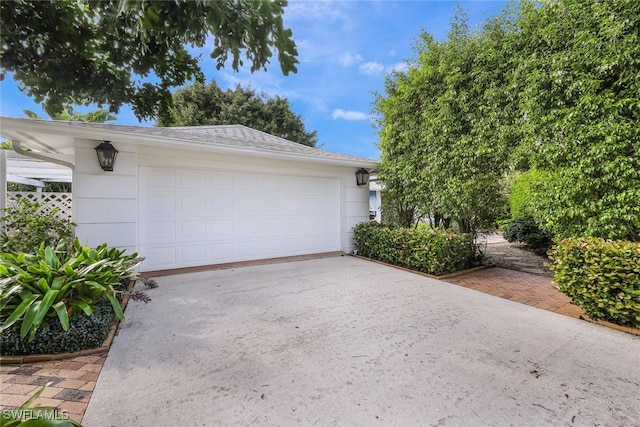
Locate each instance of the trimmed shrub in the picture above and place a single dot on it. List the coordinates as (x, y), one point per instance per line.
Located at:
(525, 230)
(432, 251)
(601, 276)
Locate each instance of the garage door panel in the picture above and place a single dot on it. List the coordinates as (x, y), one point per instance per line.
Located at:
(246, 205)
(190, 180)
(218, 253)
(269, 205)
(271, 184)
(158, 178)
(328, 223)
(193, 230)
(192, 205)
(295, 185)
(158, 205)
(219, 181)
(291, 205)
(272, 226)
(244, 182)
(220, 205)
(193, 255)
(158, 231)
(159, 258)
(220, 228)
(202, 217)
(248, 250)
(246, 227)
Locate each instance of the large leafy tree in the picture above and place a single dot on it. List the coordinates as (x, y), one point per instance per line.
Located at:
(97, 116)
(438, 126)
(201, 104)
(117, 52)
(579, 64)
(552, 86)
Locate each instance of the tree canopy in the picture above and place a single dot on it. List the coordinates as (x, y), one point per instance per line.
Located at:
(546, 86)
(201, 104)
(436, 128)
(117, 52)
(97, 116)
(581, 99)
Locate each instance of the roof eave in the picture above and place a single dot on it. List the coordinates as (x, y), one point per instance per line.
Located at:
(66, 128)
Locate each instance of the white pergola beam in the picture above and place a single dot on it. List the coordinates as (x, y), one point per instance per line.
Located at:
(22, 180)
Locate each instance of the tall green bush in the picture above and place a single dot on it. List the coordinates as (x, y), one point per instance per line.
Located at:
(601, 276)
(26, 227)
(433, 251)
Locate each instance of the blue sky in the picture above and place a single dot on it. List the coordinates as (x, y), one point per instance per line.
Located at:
(345, 49)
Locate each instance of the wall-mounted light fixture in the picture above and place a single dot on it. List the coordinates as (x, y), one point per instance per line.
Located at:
(362, 177)
(106, 156)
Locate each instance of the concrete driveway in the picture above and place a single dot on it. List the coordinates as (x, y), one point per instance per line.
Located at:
(342, 341)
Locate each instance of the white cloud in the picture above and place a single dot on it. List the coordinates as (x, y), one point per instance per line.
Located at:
(349, 115)
(371, 69)
(399, 67)
(348, 59)
(326, 10)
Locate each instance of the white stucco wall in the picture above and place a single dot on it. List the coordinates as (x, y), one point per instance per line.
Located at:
(356, 205)
(105, 204)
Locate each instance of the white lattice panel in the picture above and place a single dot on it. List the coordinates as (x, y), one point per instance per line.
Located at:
(48, 202)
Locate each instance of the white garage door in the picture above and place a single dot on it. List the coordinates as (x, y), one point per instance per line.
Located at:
(199, 217)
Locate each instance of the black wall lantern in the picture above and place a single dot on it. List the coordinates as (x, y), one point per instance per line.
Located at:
(106, 156)
(362, 177)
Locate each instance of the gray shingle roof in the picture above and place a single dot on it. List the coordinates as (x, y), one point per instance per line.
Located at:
(236, 136)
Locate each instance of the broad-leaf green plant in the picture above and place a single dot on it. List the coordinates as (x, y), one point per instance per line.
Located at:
(60, 282)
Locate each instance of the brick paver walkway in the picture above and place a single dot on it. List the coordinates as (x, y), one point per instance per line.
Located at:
(74, 379)
(525, 288)
(72, 382)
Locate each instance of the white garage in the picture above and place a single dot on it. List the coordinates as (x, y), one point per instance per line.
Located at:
(201, 217)
(201, 196)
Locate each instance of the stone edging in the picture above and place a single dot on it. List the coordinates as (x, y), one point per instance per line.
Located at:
(106, 344)
(431, 276)
(627, 329)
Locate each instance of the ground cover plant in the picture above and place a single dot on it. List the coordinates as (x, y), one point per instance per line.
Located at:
(430, 250)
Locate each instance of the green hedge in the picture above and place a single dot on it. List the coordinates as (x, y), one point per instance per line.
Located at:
(601, 276)
(432, 251)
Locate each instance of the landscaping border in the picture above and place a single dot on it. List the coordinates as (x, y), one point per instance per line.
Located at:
(106, 344)
(431, 276)
(621, 328)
